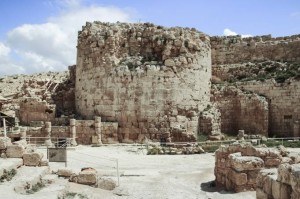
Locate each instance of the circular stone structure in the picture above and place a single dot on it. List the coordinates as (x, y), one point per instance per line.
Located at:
(154, 81)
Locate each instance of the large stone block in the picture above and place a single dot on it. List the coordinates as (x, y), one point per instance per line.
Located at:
(276, 189)
(87, 177)
(246, 163)
(32, 159)
(260, 194)
(295, 176)
(106, 183)
(284, 173)
(272, 162)
(15, 151)
(65, 172)
(237, 178)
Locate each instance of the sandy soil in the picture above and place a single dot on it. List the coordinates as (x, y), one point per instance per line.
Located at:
(141, 176)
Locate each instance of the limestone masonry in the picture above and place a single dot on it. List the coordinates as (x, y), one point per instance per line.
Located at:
(139, 82)
(153, 81)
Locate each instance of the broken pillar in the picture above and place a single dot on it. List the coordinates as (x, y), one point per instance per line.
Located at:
(23, 133)
(73, 132)
(98, 129)
(241, 135)
(48, 127)
(4, 127)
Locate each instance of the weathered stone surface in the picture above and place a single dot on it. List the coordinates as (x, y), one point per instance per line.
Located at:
(240, 110)
(34, 109)
(106, 183)
(260, 194)
(44, 163)
(143, 90)
(277, 186)
(237, 177)
(64, 172)
(32, 159)
(87, 177)
(261, 58)
(15, 151)
(246, 163)
(272, 162)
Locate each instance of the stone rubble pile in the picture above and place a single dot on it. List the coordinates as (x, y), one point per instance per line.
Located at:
(172, 149)
(88, 176)
(237, 165)
(20, 149)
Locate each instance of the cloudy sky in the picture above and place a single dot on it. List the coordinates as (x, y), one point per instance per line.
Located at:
(40, 35)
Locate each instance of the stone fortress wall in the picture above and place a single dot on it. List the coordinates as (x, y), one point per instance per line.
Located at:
(152, 80)
(284, 100)
(235, 49)
(234, 56)
(241, 110)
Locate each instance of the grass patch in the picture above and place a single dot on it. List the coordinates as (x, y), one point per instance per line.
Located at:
(285, 143)
(35, 188)
(8, 175)
(210, 148)
(71, 195)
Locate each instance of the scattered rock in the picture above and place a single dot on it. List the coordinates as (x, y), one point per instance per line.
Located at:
(106, 183)
(32, 159)
(15, 151)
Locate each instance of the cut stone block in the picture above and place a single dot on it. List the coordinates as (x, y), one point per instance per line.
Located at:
(106, 183)
(64, 172)
(15, 151)
(32, 159)
(246, 163)
(87, 177)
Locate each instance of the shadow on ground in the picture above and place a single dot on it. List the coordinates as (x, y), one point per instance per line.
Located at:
(210, 186)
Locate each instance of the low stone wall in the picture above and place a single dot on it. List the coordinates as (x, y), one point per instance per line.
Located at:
(173, 149)
(281, 183)
(238, 165)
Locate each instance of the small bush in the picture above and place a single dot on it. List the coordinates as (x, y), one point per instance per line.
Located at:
(8, 175)
(35, 188)
(281, 78)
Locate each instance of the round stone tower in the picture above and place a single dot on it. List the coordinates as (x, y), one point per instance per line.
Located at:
(154, 81)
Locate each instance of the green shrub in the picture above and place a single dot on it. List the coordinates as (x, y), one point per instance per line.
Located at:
(8, 175)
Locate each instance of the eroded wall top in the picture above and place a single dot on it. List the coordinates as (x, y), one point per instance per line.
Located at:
(151, 79)
(235, 49)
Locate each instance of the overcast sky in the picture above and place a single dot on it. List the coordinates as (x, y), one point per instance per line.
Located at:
(41, 35)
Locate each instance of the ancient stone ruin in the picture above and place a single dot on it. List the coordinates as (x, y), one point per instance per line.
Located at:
(153, 81)
(237, 165)
(138, 82)
(280, 183)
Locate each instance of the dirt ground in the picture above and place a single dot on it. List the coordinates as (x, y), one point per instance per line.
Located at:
(141, 176)
(153, 176)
